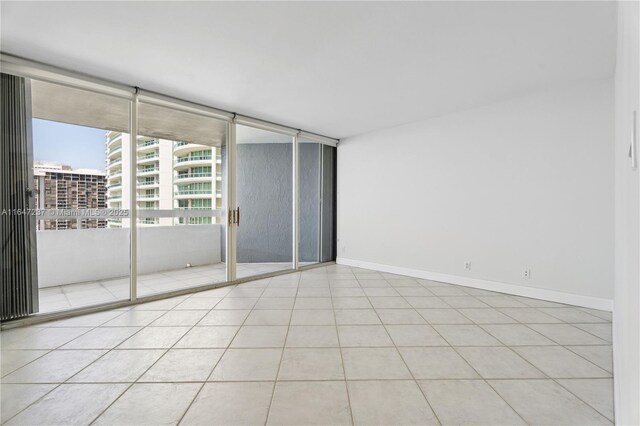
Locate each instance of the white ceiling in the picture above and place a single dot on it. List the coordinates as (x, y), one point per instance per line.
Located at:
(339, 69)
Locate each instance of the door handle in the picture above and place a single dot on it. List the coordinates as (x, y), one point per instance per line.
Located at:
(238, 216)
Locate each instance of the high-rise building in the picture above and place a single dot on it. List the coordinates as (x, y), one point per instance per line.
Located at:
(169, 175)
(58, 186)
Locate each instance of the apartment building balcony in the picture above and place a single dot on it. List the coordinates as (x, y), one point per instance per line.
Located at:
(194, 177)
(114, 150)
(193, 193)
(149, 171)
(114, 162)
(149, 184)
(148, 145)
(114, 175)
(114, 138)
(148, 197)
(181, 148)
(145, 159)
(182, 163)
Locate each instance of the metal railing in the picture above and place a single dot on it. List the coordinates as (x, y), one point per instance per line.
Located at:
(194, 191)
(193, 158)
(193, 175)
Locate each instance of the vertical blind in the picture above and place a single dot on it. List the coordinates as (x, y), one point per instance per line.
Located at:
(17, 226)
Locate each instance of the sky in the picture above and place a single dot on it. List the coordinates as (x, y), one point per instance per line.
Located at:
(77, 146)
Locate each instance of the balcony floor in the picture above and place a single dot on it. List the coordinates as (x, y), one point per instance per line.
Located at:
(64, 297)
(332, 345)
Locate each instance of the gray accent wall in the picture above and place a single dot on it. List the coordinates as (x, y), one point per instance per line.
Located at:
(264, 180)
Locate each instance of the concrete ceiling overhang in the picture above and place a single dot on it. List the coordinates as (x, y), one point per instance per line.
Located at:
(70, 105)
(335, 68)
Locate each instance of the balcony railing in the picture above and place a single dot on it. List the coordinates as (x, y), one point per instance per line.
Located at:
(147, 183)
(148, 157)
(115, 149)
(194, 191)
(148, 143)
(193, 158)
(114, 137)
(148, 170)
(193, 175)
(160, 256)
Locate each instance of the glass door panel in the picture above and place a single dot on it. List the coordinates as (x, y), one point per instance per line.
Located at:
(264, 194)
(316, 200)
(181, 213)
(309, 201)
(79, 175)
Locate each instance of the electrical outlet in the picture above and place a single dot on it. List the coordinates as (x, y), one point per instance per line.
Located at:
(467, 266)
(526, 273)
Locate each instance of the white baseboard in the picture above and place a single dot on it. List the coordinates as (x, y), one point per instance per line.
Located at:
(514, 289)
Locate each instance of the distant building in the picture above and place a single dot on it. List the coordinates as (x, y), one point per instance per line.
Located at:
(58, 186)
(169, 175)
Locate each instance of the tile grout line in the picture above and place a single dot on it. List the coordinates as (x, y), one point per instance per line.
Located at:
(195, 397)
(284, 345)
(512, 350)
(344, 371)
(415, 381)
(166, 350)
(91, 328)
(527, 361)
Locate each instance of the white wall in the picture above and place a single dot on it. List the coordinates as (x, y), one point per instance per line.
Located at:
(626, 316)
(526, 183)
(74, 256)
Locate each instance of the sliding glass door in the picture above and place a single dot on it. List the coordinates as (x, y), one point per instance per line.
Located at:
(316, 202)
(264, 195)
(79, 178)
(179, 181)
(133, 194)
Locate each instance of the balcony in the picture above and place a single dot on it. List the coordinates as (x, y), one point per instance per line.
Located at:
(186, 147)
(147, 158)
(114, 150)
(114, 162)
(148, 171)
(147, 145)
(148, 196)
(71, 279)
(149, 183)
(115, 137)
(190, 193)
(185, 162)
(187, 177)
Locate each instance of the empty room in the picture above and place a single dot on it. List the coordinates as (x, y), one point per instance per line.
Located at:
(320, 212)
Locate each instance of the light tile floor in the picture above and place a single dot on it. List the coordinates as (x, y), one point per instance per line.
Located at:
(70, 296)
(332, 345)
